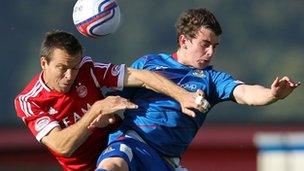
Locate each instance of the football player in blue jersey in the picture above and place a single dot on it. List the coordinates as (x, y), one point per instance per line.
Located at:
(154, 136)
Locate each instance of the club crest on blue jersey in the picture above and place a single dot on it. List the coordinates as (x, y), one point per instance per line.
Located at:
(199, 73)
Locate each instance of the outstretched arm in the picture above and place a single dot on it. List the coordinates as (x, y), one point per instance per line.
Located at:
(158, 83)
(257, 95)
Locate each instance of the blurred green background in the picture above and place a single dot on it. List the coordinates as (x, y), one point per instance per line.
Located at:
(261, 40)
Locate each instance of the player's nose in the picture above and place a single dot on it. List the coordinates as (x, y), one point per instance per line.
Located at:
(210, 51)
(68, 74)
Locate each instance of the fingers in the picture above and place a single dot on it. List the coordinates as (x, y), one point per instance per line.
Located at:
(286, 81)
(202, 103)
(96, 122)
(188, 112)
(282, 87)
(200, 92)
(113, 104)
(276, 82)
(93, 124)
(112, 120)
(102, 121)
(130, 105)
(123, 103)
(200, 100)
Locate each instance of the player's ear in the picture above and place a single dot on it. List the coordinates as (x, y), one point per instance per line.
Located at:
(182, 41)
(43, 62)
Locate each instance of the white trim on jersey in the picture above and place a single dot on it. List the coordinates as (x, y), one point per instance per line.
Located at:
(94, 78)
(23, 99)
(22, 102)
(108, 66)
(102, 65)
(85, 59)
(46, 130)
(23, 119)
(121, 77)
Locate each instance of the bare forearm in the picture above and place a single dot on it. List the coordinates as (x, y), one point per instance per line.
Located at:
(254, 95)
(66, 141)
(155, 82)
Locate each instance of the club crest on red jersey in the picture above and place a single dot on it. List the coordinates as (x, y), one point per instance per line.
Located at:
(82, 91)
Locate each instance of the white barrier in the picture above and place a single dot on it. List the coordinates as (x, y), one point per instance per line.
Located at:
(280, 151)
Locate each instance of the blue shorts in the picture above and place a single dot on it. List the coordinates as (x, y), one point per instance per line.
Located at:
(138, 155)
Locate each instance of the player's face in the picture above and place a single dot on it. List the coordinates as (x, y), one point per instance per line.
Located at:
(199, 51)
(59, 74)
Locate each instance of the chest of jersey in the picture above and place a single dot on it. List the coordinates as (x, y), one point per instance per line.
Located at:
(191, 79)
(70, 107)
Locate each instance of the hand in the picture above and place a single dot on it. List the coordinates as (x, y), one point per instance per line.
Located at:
(281, 88)
(193, 101)
(104, 109)
(102, 121)
(201, 101)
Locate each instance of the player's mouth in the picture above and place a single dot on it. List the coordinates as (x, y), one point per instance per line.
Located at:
(204, 61)
(67, 85)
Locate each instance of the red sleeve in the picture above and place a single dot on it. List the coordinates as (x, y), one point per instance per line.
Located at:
(106, 74)
(35, 118)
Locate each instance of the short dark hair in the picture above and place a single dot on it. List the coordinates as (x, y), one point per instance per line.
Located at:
(61, 40)
(191, 20)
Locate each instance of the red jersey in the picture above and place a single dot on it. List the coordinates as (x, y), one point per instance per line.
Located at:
(43, 109)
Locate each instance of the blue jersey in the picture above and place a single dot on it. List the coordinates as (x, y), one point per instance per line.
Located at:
(159, 120)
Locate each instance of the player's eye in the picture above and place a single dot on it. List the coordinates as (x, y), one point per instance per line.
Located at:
(61, 68)
(75, 68)
(205, 44)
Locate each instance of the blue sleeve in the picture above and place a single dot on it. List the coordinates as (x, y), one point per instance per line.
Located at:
(140, 62)
(223, 86)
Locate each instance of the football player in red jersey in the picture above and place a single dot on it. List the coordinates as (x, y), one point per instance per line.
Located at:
(62, 100)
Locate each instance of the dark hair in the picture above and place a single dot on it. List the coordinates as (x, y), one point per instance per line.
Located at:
(191, 20)
(61, 40)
